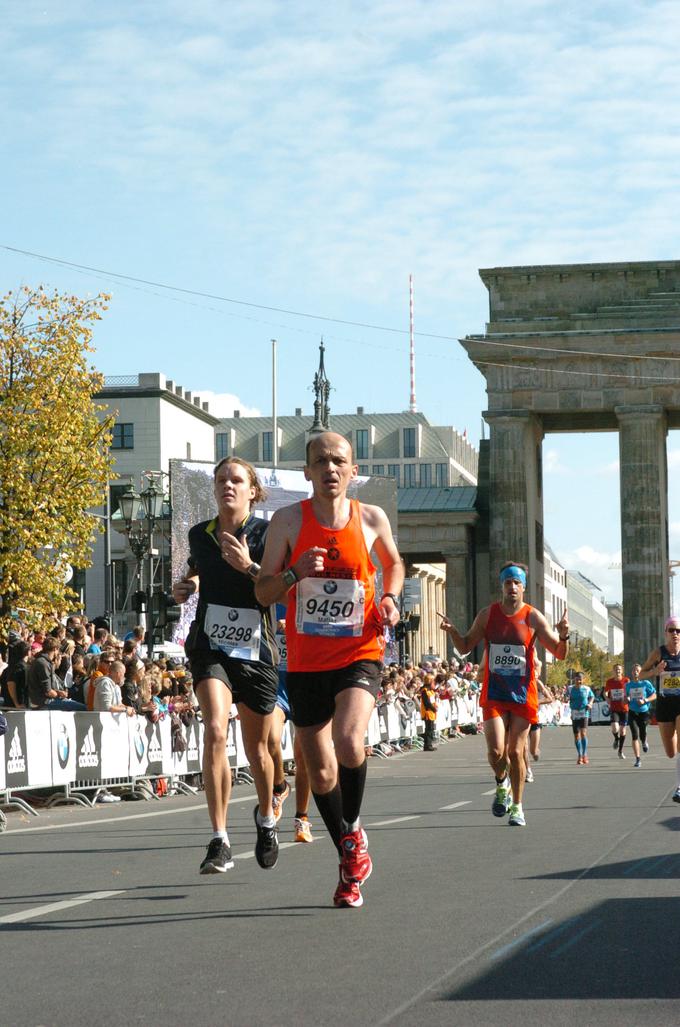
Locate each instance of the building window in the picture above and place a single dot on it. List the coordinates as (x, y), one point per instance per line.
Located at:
(221, 446)
(441, 475)
(425, 476)
(409, 442)
(394, 471)
(123, 436)
(121, 583)
(363, 469)
(115, 492)
(266, 447)
(362, 444)
(410, 476)
(378, 468)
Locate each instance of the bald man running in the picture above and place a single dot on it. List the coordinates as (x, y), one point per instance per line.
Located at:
(317, 557)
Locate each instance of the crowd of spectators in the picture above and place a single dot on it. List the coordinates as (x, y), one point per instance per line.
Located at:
(82, 665)
(422, 687)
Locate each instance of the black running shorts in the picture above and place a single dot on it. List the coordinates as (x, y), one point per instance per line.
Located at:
(253, 684)
(667, 709)
(312, 693)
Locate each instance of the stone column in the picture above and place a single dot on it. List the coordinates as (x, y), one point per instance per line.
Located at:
(644, 528)
(458, 591)
(516, 497)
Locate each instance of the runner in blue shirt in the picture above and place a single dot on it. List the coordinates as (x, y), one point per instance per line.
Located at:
(581, 698)
(639, 693)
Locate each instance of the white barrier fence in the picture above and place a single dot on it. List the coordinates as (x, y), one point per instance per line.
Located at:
(46, 748)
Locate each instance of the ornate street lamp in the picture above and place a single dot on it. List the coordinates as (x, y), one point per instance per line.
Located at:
(140, 514)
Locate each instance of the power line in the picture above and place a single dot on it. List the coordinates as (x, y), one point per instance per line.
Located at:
(482, 340)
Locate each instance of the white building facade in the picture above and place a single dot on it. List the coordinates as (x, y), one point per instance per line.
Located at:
(156, 422)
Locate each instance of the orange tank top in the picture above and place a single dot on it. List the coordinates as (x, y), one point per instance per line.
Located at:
(510, 671)
(332, 619)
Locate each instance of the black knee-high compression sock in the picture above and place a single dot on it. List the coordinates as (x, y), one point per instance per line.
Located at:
(352, 783)
(329, 806)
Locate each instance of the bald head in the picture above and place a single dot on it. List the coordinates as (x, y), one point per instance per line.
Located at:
(327, 441)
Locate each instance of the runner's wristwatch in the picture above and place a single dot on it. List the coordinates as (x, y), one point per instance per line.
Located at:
(290, 578)
(390, 595)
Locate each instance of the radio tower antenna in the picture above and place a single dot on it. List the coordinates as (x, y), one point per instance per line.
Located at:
(412, 349)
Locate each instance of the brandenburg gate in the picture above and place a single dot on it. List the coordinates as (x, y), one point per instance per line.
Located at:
(583, 348)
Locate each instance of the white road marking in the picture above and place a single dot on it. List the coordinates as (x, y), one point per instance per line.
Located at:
(491, 792)
(54, 907)
(282, 845)
(120, 820)
(455, 805)
(396, 820)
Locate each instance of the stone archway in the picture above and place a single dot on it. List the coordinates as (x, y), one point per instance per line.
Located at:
(583, 347)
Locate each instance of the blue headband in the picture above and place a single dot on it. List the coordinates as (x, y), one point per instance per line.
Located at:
(514, 572)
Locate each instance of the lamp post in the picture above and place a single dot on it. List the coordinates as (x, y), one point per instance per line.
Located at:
(139, 531)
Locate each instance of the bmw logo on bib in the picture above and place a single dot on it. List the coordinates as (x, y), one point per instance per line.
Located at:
(330, 587)
(233, 615)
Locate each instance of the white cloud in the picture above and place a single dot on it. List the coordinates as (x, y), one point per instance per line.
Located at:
(223, 404)
(552, 463)
(603, 568)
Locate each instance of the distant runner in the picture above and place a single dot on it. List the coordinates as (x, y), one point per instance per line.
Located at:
(581, 699)
(640, 693)
(510, 630)
(664, 664)
(615, 693)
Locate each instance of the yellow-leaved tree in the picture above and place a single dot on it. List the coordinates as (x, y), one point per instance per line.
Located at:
(54, 439)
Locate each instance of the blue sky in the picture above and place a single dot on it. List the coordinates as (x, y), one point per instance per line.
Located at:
(309, 157)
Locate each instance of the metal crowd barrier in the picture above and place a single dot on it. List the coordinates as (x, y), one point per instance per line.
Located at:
(80, 754)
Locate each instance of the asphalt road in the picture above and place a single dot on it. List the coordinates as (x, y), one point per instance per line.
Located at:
(105, 920)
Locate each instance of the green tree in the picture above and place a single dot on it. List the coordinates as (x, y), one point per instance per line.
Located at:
(54, 439)
(585, 656)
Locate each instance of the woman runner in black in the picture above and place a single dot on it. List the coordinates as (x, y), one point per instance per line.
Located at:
(664, 665)
(231, 648)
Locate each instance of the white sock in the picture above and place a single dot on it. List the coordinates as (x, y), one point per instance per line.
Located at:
(265, 821)
(222, 835)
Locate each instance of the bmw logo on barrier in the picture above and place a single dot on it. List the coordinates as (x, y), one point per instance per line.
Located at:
(330, 587)
(139, 741)
(63, 746)
(233, 615)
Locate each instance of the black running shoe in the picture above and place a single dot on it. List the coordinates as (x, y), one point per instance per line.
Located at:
(267, 845)
(217, 858)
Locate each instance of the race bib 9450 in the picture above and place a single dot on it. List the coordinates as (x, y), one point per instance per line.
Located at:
(333, 607)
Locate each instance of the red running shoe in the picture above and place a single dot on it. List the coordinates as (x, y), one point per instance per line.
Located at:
(585, 761)
(355, 862)
(348, 895)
